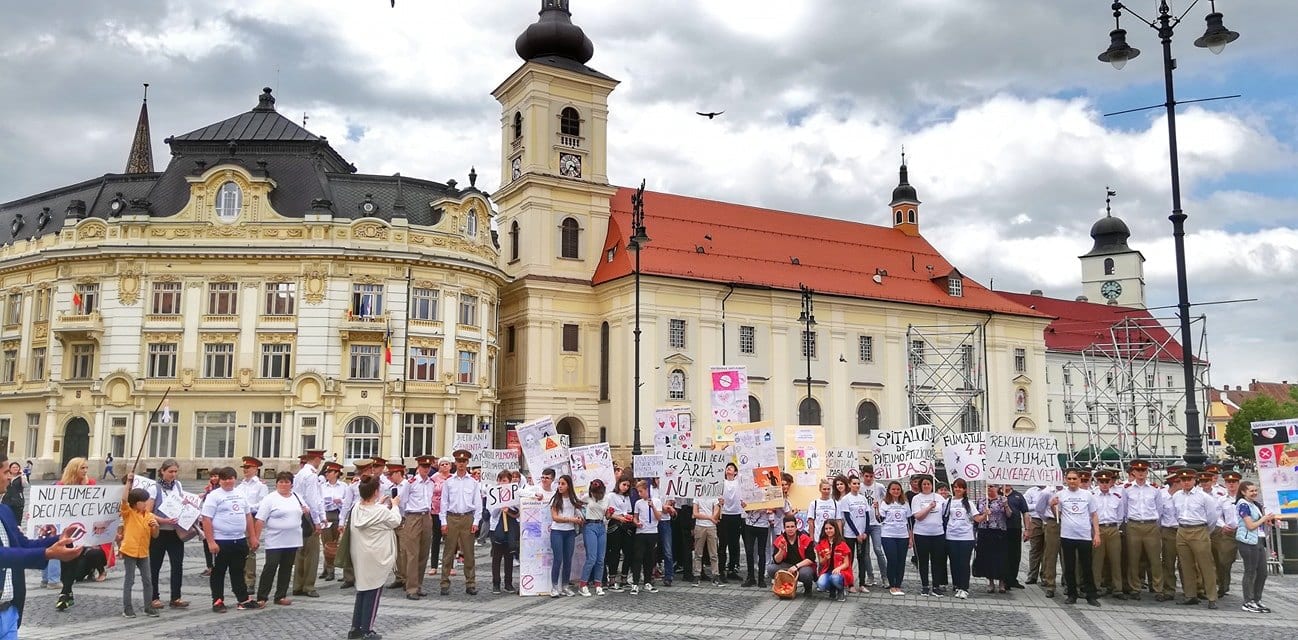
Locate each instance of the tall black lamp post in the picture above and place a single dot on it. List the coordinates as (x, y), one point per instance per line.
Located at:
(808, 320)
(637, 241)
(1215, 38)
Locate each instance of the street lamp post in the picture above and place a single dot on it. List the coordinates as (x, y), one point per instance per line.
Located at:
(808, 320)
(637, 241)
(1215, 38)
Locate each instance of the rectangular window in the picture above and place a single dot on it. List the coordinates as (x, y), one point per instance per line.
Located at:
(1068, 377)
(223, 298)
(1111, 415)
(14, 308)
(41, 306)
(309, 424)
(1020, 361)
(117, 436)
(1068, 414)
(267, 430)
(9, 365)
(423, 303)
(808, 344)
(166, 299)
(747, 340)
(469, 310)
(1149, 380)
(33, 434)
(162, 439)
(281, 298)
(1050, 410)
(865, 349)
(162, 359)
(277, 360)
(1153, 416)
(1171, 418)
(218, 360)
(365, 361)
(571, 338)
(1171, 382)
(511, 339)
(38, 364)
(955, 287)
(468, 363)
(420, 435)
(214, 434)
(464, 423)
(676, 333)
(85, 299)
(422, 365)
(367, 300)
(83, 362)
(917, 353)
(967, 364)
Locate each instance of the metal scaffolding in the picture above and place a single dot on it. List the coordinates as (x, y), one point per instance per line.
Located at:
(1132, 395)
(947, 384)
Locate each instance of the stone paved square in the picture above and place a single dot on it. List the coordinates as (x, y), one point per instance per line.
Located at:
(957, 620)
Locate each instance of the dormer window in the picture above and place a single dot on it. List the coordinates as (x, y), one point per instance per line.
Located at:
(955, 286)
(229, 201)
(471, 224)
(569, 122)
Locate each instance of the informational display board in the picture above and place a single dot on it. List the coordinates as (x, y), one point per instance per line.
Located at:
(1275, 445)
(1022, 459)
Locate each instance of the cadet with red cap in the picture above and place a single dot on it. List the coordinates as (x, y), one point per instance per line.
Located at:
(332, 493)
(1196, 513)
(253, 491)
(1225, 548)
(416, 532)
(1142, 503)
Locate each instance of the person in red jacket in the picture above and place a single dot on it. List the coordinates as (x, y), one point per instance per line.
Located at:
(793, 552)
(834, 561)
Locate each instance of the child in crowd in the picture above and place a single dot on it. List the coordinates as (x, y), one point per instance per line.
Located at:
(139, 527)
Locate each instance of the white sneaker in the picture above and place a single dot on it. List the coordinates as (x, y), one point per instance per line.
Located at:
(584, 591)
(599, 591)
(897, 592)
(635, 590)
(555, 593)
(567, 591)
(961, 594)
(650, 588)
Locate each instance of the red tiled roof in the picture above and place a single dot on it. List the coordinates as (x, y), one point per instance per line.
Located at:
(1080, 325)
(727, 243)
(1233, 398)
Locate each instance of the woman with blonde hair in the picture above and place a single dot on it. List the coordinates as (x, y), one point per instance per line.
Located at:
(76, 472)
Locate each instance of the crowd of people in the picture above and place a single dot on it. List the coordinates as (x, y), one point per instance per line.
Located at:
(383, 527)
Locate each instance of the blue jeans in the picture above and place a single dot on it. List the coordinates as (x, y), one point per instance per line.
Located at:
(562, 544)
(895, 549)
(595, 537)
(830, 581)
(53, 572)
(665, 550)
(876, 540)
(9, 624)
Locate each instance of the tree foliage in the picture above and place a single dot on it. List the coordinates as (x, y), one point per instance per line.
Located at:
(1239, 435)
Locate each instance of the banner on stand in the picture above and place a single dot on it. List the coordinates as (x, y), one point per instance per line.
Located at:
(1275, 445)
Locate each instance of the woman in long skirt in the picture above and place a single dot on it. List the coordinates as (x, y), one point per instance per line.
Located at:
(992, 545)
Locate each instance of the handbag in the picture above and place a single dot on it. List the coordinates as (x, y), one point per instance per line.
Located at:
(785, 584)
(308, 525)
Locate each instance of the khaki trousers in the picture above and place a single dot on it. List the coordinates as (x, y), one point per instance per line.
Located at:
(1167, 538)
(1194, 550)
(250, 569)
(1050, 558)
(306, 564)
(1144, 544)
(349, 576)
(1036, 549)
(705, 539)
(459, 537)
(1225, 548)
(415, 541)
(1106, 561)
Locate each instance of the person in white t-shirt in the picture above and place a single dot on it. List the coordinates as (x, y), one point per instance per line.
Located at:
(1079, 535)
(930, 539)
(228, 528)
(278, 527)
(960, 516)
(857, 510)
(707, 513)
(874, 492)
(893, 514)
(821, 509)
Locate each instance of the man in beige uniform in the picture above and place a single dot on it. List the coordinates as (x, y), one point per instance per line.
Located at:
(1106, 561)
(1196, 512)
(1049, 516)
(396, 482)
(461, 501)
(253, 491)
(1224, 546)
(417, 526)
(1141, 503)
(306, 485)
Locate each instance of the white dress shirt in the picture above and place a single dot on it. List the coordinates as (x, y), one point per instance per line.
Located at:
(460, 494)
(306, 485)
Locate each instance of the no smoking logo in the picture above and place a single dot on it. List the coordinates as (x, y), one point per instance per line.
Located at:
(1265, 453)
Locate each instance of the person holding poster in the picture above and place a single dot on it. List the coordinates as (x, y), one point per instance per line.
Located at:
(959, 518)
(757, 529)
(504, 539)
(566, 517)
(1251, 535)
(707, 513)
(170, 543)
(18, 554)
(994, 539)
(731, 527)
(647, 511)
(75, 473)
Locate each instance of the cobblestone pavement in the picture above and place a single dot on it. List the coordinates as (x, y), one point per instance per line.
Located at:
(680, 612)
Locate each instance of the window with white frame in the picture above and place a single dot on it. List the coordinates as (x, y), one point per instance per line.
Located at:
(361, 438)
(229, 202)
(808, 344)
(1020, 360)
(166, 299)
(223, 298)
(1149, 380)
(468, 310)
(14, 308)
(955, 286)
(308, 435)
(162, 359)
(267, 433)
(747, 340)
(41, 306)
(85, 298)
(365, 359)
(367, 300)
(1171, 382)
(162, 438)
(218, 360)
(9, 365)
(1153, 416)
(1068, 376)
(423, 303)
(83, 362)
(117, 436)
(281, 298)
(422, 365)
(1068, 414)
(37, 369)
(33, 434)
(420, 435)
(1050, 410)
(214, 434)
(865, 349)
(676, 385)
(471, 223)
(468, 367)
(676, 333)
(917, 353)
(277, 360)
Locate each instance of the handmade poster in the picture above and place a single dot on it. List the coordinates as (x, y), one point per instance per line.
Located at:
(493, 461)
(534, 554)
(95, 511)
(591, 462)
(673, 429)
(963, 454)
(502, 495)
(804, 459)
(1022, 460)
(553, 455)
(901, 453)
(693, 473)
(842, 461)
(729, 401)
(189, 512)
(474, 443)
(1276, 449)
(649, 465)
(531, 437)
(757, 456)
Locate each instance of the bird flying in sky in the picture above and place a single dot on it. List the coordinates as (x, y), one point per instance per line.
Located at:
(709, 115)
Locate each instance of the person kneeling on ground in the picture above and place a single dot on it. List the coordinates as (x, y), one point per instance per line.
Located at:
(793, 553)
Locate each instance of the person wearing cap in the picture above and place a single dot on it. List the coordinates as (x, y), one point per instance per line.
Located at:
(460, 501)
(253, 491)
(1107, 558)
(1217, 489)
(396, 482)
(444, 466)
(416, 535)
(1079, 535)
(1142, 504)
(1167, 527)
(1048, 514)
(351, 497)
(306, 485)
(1225, 548)
(332, 494)
(1196, 512)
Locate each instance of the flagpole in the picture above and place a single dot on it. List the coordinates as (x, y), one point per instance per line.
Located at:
(147, 427)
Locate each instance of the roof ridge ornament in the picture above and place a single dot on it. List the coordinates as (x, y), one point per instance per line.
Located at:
(265, 101)
(140, 159)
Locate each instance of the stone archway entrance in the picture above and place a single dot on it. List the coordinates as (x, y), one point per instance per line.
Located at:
(574, 429)
(76, 440)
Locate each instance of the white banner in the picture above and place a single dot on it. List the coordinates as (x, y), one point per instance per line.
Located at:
(591, 462)
(1017, 459)
(963, 454)
(493, 461)
(649, 465)
(842, 461)
(95, 511)
(502, 495)
(673, 429)
(474, 443)
(693, 473)
(901, 453)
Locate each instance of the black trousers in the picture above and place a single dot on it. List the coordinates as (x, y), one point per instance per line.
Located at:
(683, 541)
(231, 555)
(642, 557)
(436, 556)
(618, 556)
(279, 568)
(1077, 559)
(755, 541)
(930, 552)
(502, 557)
(729, 531)
(365, 610)
(168, 543)
(1013, 555)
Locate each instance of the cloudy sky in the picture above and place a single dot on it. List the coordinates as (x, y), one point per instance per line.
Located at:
(999, 104)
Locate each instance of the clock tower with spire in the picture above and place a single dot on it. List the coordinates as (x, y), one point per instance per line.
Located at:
(1113, 272)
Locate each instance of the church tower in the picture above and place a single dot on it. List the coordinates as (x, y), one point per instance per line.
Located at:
(1113, 272)
(905, 203)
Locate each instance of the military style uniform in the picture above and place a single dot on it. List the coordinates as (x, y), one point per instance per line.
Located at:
(1050, 543)
(461, 501)
(253, 491)
(416, 537)
(1225, 548)
(306, 485)
(1037, 536)
(396, 484)
(1142, 505)
(331, 494)
(1106, 562)
(1196, 513)
(1167, 529)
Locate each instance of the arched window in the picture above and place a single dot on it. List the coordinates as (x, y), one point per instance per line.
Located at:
(229, 200)
(518, 125)
(569, 122)
(867, 418)
(603, 361)
(513, 240)
(910, 216)
(471, 224)
(570, 238)
(754, 409)
(808, 411)
(899, 218)
(1108, 266)
(361, 439)
(676, 385)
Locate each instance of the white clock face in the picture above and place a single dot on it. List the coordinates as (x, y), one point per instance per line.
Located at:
(570, 165)
(1111, 290)
(516, 168)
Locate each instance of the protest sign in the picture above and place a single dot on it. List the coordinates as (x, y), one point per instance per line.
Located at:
(95, 510)
(502, 495)
(842, 461)
(535, 556)
(963, 454)
(493, 461)
(1022, 459)
(1275, 443)
(900, 453)
(756, 455)
(591, 462)
(693, 473)
(649, 465)
(804, 459)
(474, 443)
(554, 455)
(532, 438)
(673, 429)
(729, 401)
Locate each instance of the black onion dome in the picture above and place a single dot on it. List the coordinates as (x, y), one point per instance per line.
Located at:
(904, 192)
(554, 35)
(1110, 234)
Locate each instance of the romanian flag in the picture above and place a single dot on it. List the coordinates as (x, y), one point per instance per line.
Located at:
(387, 345)
(76, 299)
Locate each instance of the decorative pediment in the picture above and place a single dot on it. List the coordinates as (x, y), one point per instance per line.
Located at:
(1022, 379)
(678, 359)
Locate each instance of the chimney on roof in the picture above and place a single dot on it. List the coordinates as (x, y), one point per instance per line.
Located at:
(1083, 299)
(140, 160)
(1035, 292)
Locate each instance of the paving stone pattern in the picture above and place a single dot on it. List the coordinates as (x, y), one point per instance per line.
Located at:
(946, 620)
